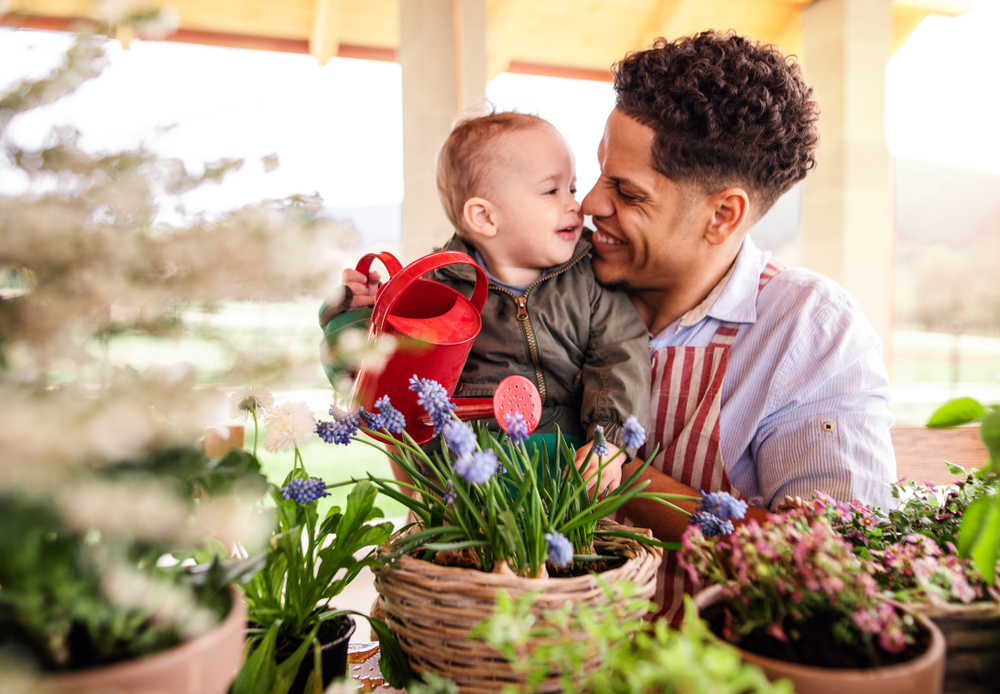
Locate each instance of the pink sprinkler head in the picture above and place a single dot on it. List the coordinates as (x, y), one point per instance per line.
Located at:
(517, 394)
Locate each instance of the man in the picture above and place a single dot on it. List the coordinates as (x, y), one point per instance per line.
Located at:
(768, 382)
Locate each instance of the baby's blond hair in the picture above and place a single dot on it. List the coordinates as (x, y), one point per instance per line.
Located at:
(466, 159)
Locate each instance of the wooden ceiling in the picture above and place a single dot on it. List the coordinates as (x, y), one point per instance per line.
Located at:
(580, 38)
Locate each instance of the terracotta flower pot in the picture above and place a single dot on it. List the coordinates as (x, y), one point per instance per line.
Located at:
(972, 635)
(205, 665)
(922, 675)
(432, 608)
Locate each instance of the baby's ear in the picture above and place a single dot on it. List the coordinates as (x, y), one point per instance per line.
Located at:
(479, 216)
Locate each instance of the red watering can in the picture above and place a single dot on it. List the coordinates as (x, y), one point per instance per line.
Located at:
(435, 327)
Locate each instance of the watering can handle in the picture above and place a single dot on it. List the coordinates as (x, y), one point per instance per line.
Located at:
(388, 259)
(401, 279)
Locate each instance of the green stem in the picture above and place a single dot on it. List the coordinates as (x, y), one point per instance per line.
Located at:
(253, 414)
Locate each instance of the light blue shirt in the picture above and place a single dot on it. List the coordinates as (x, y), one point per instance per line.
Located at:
(805, 398)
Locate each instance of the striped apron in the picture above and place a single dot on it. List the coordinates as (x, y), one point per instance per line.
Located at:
(685, 402)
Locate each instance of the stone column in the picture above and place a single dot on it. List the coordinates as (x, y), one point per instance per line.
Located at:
(442, 51)
(847, 209)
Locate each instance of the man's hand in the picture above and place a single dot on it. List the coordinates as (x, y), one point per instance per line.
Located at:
(611, 472)
(362, 288)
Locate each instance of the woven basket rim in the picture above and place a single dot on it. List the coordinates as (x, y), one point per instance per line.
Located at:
(590, 579)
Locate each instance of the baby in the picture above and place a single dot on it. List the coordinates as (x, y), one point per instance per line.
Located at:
(508, 185)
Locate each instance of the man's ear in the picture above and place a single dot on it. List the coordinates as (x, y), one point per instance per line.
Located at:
(730, 210)
(480, 217)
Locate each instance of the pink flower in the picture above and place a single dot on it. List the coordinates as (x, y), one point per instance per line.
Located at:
(892, 640)
(775, 631)
(866, 621)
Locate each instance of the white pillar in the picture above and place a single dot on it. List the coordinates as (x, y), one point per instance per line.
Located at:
(442, 51)
(847, 208)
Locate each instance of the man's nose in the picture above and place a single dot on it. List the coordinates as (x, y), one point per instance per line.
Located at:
(596, 203)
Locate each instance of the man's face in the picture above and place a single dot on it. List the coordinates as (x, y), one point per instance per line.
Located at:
(647, 228)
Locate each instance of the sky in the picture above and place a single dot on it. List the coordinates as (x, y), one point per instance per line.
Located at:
(337, 130)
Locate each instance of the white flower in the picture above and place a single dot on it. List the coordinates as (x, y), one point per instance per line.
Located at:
(252, 399)
(288, 425)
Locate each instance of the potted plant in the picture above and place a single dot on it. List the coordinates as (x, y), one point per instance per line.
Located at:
(297, 641)
(106, 501)
(636, 655)
(493, 514)
(936, 551)
(798, 601)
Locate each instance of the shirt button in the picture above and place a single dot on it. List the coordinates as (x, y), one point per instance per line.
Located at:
(828, 427)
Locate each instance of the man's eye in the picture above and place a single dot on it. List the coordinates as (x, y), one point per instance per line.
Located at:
(624, 196)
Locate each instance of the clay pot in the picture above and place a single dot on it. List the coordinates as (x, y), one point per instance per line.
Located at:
(205, 665)
(333, 655)
(972, 635)
(922, 675)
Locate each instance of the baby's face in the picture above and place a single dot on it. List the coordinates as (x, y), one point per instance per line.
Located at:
(539, 219)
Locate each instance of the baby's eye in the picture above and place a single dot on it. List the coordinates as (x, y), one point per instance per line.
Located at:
(572, 191)
(552, 192)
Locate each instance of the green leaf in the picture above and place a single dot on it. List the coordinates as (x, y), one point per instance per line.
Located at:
(955, 413)
(980, 533)
(989, 431)
(258, 672)
(393, 663)
(952, 468)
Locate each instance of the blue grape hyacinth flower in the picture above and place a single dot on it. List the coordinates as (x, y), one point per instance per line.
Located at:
(341, 429)
(722, 505)
(393, 420)
(560, 550)
(600, 447)
(712, 526)
(305, 491)
(449, 493)
(516, 427)
(432, 396)
(459, 437)
(633, 435)
(477, 468)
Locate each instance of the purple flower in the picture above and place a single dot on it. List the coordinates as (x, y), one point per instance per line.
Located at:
(371, 420)
(712, 526)
(477, 468)
(393, 420)
(449, 493)
(600, 447)
(633, 435)
(305, 491)
(459, 437)
(433, 398)
(341, 429)
(516, 427)
(560, 550)
(723, 505)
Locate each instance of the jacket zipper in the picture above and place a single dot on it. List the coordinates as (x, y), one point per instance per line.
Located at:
(529, 332)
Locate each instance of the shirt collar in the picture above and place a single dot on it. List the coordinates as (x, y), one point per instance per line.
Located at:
(734, 298)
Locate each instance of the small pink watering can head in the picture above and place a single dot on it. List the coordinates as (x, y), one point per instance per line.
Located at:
(434, 326)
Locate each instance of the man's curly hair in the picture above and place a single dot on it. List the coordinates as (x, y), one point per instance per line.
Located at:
(725, 110)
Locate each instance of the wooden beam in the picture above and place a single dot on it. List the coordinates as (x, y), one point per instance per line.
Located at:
(572, 73)
(501, 26)
(325, 33)
(208, 38)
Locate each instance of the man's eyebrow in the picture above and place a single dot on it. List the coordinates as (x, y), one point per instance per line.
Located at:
(622, 181)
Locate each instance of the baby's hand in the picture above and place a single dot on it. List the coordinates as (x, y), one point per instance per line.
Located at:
(362, 288)
(611, 472)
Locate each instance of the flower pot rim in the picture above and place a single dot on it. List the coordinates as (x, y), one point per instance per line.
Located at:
(982, 609)
(935, 650)
(171, 657)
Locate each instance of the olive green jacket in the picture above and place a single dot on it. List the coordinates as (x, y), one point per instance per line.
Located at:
(584, 346)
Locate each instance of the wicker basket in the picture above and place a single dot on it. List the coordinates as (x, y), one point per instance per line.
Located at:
(431, 608)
